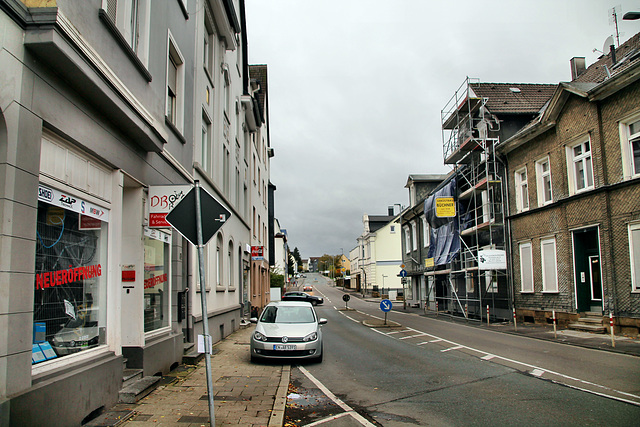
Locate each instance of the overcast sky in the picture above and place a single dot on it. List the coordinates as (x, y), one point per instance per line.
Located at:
(356, 88)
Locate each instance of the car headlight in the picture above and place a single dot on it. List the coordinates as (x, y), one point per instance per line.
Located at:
(259, 337)
(311, 337)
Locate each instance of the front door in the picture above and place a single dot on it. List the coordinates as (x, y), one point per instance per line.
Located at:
(588, 277)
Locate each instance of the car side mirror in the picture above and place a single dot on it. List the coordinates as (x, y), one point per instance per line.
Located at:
(253, 320)
(322, 321)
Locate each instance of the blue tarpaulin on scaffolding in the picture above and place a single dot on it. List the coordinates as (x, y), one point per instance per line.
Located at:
(445, 236)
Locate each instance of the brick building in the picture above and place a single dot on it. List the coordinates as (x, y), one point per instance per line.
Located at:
(574, 198)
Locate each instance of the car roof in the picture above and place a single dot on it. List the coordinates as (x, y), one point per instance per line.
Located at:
(289, 303)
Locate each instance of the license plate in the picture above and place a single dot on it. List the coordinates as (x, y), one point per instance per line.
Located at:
(284, 346)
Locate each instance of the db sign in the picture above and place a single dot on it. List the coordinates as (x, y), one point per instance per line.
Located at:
(163, 198)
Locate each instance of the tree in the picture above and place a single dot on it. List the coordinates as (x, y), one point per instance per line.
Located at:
(296, 255)
(277, 280)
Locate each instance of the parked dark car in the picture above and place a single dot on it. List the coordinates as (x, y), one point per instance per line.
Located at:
(302, 296)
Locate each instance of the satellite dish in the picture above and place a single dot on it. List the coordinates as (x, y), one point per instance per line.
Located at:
(608, 42)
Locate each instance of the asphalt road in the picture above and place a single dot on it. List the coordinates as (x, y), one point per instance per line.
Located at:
(432, 372)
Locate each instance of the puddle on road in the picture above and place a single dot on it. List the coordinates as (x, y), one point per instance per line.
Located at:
(306, 405)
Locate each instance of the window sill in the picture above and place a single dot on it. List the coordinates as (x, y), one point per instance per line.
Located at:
(550, 292)
(233, 289)
(175, 130)
(220, 289)
(185, 12)
(111, 26)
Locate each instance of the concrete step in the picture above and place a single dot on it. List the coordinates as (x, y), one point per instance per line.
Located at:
(588, 327)
(192, 357)
(591, 320)
(139, 389)
(129, 376)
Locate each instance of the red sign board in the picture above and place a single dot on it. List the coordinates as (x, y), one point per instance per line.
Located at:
(158, 220)
(89, 223)
(257, 252)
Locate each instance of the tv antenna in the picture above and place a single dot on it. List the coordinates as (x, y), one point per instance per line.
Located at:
(613, 20)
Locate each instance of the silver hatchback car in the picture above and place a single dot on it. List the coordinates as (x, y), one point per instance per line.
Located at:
(287, 329)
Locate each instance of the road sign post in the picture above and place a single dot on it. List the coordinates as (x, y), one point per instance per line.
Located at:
(385, 305)
(182, 219)
(346, 298)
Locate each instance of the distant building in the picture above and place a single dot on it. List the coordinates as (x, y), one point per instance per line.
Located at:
(380, 256)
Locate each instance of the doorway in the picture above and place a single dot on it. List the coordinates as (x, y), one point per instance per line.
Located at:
(588, 272)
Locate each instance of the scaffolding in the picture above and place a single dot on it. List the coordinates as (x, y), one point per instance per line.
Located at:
(466, 286)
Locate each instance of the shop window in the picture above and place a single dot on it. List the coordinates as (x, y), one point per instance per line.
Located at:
(157, 259)
(69, 312)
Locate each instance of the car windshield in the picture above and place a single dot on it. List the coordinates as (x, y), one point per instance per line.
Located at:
(286, 314)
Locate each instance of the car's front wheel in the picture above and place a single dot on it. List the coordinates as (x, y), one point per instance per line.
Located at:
(314, 302)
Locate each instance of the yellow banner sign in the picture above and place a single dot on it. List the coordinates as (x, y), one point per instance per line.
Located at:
(445, 207)
(428, 262)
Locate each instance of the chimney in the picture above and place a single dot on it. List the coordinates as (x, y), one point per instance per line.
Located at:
(578, 67)
(613, 54)
(390, 210)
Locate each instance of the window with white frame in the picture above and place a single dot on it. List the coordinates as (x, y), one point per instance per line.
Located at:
(634, 255)
(205, 142)
(175, 85)
(219, 262)
(426, 233)
(407, 240)
(543, 175)
(522, 190)
(491, 281)
(209, 45)
(414, 236)
(630, 144)
(131, 18)
(580, 167)
(526, 267)
(549, 265)
(230, 267)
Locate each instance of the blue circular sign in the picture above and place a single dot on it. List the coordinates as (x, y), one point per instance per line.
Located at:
(403, 273)
(385, 305)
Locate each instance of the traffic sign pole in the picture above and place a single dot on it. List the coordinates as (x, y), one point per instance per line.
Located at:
(203, 299)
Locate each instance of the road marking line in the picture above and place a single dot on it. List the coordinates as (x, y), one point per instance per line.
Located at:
(412, 336)
(488, 357)
(423, 343)
(362, 420)
(436, 340)
(458, 347)
(537, 372)
(324, 420)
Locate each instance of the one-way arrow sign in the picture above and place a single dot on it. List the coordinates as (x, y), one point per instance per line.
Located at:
(183, 216)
